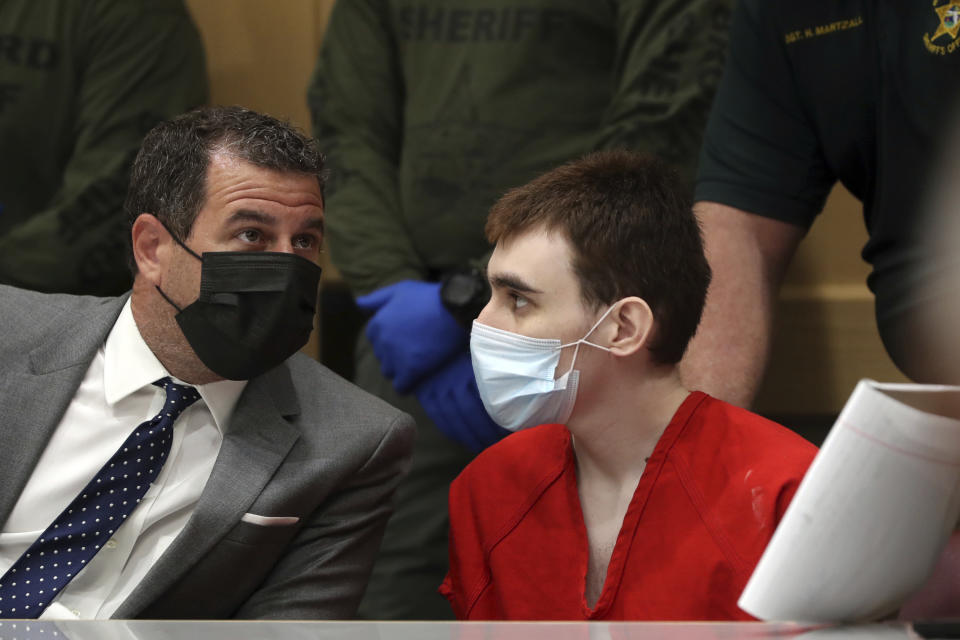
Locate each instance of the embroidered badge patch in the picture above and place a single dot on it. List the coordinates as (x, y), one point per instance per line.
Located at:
(943, 40)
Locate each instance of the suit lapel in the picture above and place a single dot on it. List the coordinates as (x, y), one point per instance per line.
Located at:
(256, 442)
(32, 402)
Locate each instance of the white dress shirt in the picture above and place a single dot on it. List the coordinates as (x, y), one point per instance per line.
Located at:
(115, 396)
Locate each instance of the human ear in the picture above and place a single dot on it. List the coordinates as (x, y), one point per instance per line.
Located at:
(634, 326)
(151, 247)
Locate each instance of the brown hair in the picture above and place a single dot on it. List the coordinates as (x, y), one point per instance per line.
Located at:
(632, 231)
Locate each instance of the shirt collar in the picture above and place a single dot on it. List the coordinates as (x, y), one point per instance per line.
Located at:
(129, 365)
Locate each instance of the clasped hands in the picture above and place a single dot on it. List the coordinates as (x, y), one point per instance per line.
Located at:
(422, 349)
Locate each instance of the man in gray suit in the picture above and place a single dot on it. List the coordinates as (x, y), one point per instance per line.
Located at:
(272, 490)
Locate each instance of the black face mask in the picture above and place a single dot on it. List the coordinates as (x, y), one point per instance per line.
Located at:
(254, 311)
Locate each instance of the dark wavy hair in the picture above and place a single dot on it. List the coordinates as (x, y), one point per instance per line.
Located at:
(168, 178)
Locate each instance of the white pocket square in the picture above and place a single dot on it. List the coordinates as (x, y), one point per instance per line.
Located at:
(269, 521)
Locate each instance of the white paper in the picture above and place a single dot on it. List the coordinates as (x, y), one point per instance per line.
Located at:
(873, 512)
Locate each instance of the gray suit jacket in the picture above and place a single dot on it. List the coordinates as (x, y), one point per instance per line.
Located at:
(302, 442)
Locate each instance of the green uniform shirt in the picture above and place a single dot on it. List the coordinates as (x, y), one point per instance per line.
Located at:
(430, 110)
(81, 82)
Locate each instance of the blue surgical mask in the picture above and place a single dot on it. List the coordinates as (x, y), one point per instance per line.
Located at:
(516, 376)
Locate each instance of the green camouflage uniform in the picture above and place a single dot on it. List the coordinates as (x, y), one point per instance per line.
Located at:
(80, 84)
(428, 111)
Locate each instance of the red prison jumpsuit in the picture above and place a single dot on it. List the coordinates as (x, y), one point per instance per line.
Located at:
(712, 493)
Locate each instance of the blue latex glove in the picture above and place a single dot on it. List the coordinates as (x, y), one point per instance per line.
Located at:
(451, 399)
(412, 333)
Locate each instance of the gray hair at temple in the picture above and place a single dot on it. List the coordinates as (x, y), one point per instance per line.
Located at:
(168, 178)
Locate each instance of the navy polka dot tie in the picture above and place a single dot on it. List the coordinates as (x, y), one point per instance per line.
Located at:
(78, 533)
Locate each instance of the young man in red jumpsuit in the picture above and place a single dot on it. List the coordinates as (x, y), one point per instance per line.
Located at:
(623, 495)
